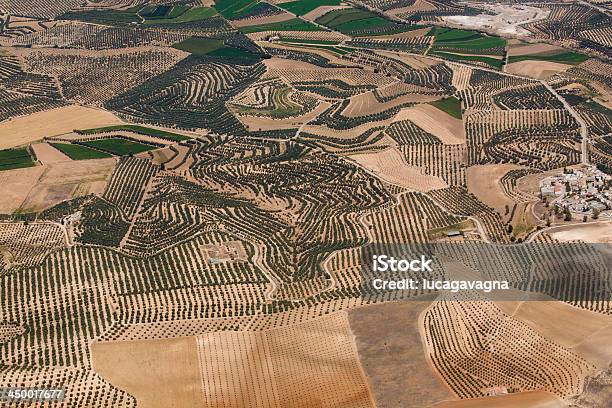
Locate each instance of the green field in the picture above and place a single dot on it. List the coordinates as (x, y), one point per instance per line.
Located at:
(495, 63)
(189, 16)
(443, 34)
(451, 105)
(230, 52)
(135, 129)
(120, 147)
(232, 9)
(358, 22)
(466, 41)
(302, 7)
(295, 24)
(571, 58)
(162, 12)
(15, 159)
(108, 16)
(349, 20)
(78, 152)
(198, 45)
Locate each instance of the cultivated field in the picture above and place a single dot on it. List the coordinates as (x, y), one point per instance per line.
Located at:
(30, 128)
(193, 192)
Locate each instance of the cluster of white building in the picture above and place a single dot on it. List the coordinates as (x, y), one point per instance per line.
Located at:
(579, 190)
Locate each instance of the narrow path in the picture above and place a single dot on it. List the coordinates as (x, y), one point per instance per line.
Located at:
(584, 130)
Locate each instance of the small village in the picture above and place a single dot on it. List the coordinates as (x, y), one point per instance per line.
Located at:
(586, 191)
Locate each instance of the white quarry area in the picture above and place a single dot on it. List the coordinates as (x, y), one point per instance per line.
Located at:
(506, 19)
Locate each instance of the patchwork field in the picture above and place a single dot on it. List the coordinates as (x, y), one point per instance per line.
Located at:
(193, 193)
(30, 128)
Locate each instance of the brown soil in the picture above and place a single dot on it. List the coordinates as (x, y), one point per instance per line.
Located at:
(536, 69)
(312, 364)
(366, 103)
(593, 233)
(62, 181)
(484, 182)
(391, 352)
(431, 119)
(158, 373)
(26, 129)
(390, 166)
(530, 399)
(46, 153)
(277, 18)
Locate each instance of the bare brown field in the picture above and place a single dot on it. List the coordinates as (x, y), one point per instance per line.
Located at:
(30, 128)
(160, 156)
(536, 69)
(321, 11)
(596, 348)
(531, 49)
(158, 373)
(594, 233)
(64, 180)
(277, 18)
(431, 119)
(415, 61)
(311, 364)
(529, 399)
(550, 316)
(393, 357)
(366, 103)
(46, 153)
(389, 165)
(16, 185)
(484, 182)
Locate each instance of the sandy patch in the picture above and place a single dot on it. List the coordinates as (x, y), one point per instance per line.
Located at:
(65, 180)
(530, 49)
(550, 318)
(484, 182)
(504, 19)
(536, 69)
(530, 399)
(596, 348)
(265, 123)
(26, 129)
(431, 119)
(594, 233)
(46, 153)
(16, 185)
(393, 360)
(159, 373)
(277, 18)
(390, 166)
(366, 103)
(321, 11)
(311, 364)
